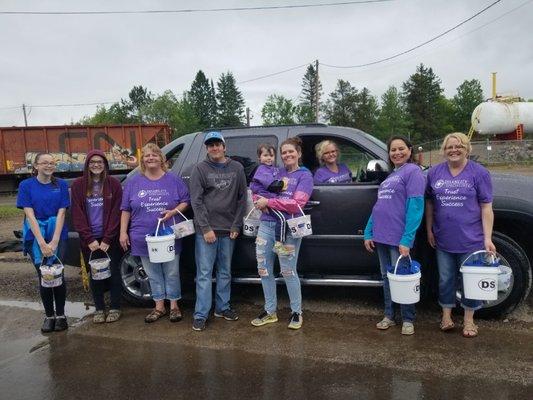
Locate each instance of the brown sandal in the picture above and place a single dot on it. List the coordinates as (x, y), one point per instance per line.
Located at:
(470, 330)
(154, 315)
(446, 326)
(175, 315)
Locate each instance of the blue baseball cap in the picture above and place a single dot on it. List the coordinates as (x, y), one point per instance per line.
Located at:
(214, 136)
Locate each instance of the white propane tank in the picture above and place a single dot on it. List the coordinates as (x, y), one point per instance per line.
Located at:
(493, 117)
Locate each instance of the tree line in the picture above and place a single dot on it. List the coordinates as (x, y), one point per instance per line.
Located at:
(418, 109)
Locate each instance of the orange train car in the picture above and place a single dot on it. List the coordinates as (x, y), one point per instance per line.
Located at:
(69, 145)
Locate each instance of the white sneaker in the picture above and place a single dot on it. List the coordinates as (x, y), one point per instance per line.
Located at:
(385, 323)
(408, 328)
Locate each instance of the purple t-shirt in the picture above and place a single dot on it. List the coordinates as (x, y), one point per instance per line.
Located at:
(457, 202)
(325, 175)
(263, 177)
(95, 211)
(300, 180)
(145, 199)
(389, 211)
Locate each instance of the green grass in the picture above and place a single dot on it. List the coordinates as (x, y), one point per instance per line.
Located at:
(10, 211)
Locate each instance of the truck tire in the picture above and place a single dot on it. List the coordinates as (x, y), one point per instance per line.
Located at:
(521, 282)
(135, 285)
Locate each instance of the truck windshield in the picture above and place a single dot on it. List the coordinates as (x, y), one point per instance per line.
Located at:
(376, 141)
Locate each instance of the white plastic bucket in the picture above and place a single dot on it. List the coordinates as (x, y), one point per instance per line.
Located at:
(404, 289)
(250, 224)
(100, 267)
(300, 226)
(480, 283)
(161, 248)
(51, 275)
(183, 228)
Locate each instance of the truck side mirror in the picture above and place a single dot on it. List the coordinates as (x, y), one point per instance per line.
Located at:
(377, 170)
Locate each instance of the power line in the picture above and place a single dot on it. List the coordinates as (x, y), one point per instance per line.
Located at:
(73, 105)
(192, 10)
(274, 74)
(417, 46)
(30, 106)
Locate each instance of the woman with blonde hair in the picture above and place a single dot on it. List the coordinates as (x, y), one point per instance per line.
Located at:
(154, 194)
(331, 171)
(459, 221)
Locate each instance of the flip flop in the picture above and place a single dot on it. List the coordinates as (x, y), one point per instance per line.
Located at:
(447, 326)
(470, 330)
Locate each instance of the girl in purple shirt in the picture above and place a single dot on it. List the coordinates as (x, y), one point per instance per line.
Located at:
(459, 220)
(267, 183)
(96, 199)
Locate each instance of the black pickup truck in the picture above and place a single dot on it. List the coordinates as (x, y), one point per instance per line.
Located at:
(334, 255)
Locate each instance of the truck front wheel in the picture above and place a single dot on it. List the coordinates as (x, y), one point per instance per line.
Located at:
(135, 285)
(520, 283)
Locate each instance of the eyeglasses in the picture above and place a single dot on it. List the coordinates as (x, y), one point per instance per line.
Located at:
(458, 147)
(96, 163)
(327, 153)
(47, 164)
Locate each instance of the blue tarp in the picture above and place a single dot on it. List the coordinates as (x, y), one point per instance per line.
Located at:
(404, 267)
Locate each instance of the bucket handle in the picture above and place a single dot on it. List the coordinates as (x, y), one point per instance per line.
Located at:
(398, 260)
(250, 213)
(53, 255)
(493, 258)
(300, 208)
(159, 220)
(91, 255)
(180, 213)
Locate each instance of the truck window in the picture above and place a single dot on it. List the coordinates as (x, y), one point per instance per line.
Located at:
(353, 156)
(173, 155)
(244, 150)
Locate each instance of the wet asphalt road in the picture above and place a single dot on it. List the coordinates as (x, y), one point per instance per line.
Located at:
(333, 356)
(337, 354)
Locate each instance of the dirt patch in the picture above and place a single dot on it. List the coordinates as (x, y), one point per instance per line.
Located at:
(8, 225)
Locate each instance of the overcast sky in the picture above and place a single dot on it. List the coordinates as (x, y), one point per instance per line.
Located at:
(70, 59)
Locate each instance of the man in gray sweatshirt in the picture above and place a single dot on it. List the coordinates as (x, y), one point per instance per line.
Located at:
(218, 198)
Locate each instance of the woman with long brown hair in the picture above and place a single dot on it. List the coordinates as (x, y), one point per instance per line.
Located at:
(96, 198)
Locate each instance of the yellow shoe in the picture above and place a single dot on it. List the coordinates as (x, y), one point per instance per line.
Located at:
(265, 318)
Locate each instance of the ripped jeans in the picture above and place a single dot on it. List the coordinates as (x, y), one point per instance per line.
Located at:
(264, 247)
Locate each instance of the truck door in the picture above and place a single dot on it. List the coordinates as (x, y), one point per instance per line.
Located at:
(339, 211)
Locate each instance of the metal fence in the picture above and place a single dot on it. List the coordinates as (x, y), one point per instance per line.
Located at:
(488, 152)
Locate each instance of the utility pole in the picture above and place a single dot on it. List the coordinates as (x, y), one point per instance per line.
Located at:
(316, 91)
(24, 112)
(247, 116)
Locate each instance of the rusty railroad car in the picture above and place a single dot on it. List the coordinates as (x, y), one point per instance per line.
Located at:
(69, 145)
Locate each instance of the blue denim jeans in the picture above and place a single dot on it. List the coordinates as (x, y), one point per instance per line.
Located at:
(164, 278)
(387, 256)
(209, 255)
(449, 264)
(264, 244)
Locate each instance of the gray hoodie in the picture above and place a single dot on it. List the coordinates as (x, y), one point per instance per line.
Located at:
(218, 196)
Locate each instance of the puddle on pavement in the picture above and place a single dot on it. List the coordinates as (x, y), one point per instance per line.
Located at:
(72, 309)
(125, 370)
